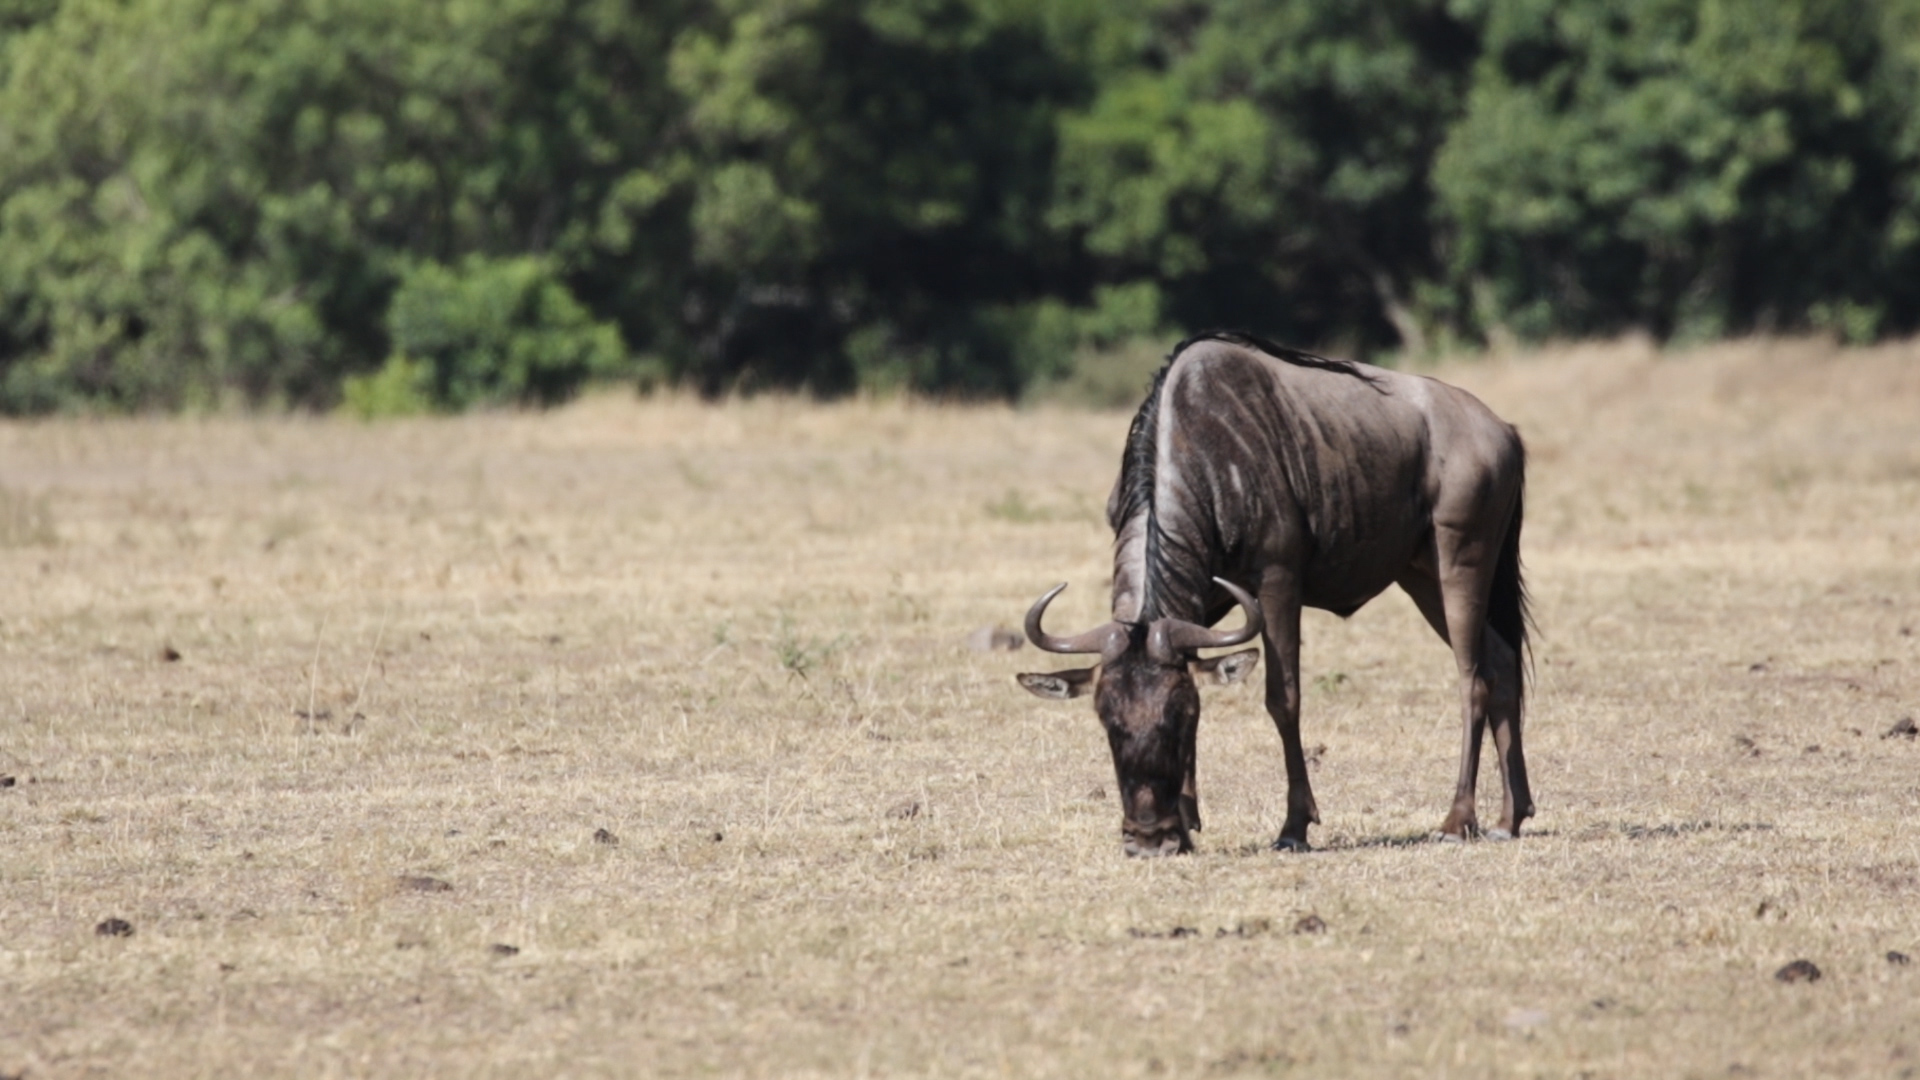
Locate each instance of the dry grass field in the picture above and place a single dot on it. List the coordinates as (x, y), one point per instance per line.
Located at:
(644, 738)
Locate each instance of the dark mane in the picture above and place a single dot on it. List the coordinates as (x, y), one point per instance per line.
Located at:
(1134, 493)
(1296, 357)
(1135, 490)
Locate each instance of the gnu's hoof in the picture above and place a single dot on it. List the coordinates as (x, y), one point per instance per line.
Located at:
(1448, 838)
(1496, 834)
(1288, 843)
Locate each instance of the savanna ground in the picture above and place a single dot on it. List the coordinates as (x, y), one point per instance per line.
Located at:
(333, 715)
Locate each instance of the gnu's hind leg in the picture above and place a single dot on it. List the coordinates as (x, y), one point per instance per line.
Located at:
(1504, 715)
(1447, 610)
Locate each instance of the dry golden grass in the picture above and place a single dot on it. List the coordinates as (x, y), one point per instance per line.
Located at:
(734, 638)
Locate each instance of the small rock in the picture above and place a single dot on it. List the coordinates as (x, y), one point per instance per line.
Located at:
(994, 639)
(1523, 1019)
(605, 836)
(168, 654)
(904, 809)
(718, 836)
(1898, 959)
(1757, 668)
(114, 928)
(502, 949)
(422, 883)
(1905, 727)
(1310, 924)
(1798, 971)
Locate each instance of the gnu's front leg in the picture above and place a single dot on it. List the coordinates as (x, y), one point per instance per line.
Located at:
(1190, 787)
(1282, 608)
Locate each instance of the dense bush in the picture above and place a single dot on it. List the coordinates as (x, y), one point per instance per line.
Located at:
(1694, 167)
(212, 198)
(1266, 165)
(258, 201)
(491, 332)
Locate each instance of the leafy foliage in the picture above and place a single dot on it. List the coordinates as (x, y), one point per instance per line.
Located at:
(492, 332)
(1266, 165)
(251, 201)
(1696, 167)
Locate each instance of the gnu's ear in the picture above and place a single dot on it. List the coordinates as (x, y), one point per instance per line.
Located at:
(1230, 668)
(1059, 685)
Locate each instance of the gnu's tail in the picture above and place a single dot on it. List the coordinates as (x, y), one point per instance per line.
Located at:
(1507, 604)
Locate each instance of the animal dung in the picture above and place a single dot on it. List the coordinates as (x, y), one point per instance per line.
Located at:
(422, 883)
(1798, 971)
(168, 654)
(1898, 959)
(1905, 727)
(605, 836)
(1310, 924)
(114, 928)
(1247, 928)
(904, 810)
(994, 639)
(503, 949)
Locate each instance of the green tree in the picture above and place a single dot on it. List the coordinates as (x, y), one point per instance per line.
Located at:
(1692, 167)
(212, 198)
(1265, 164)
(868, 182)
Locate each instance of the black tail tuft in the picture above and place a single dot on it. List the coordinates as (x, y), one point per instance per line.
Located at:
(1507, 608)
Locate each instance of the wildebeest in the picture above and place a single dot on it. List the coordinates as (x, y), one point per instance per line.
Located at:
(1263, 476)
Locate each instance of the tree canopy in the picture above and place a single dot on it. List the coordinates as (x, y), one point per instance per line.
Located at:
(404, 204)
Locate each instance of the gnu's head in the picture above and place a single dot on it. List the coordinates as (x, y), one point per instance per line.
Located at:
(1145, 692)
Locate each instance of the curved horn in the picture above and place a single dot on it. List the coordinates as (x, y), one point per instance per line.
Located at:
(1186, 636)
(1097, 640)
